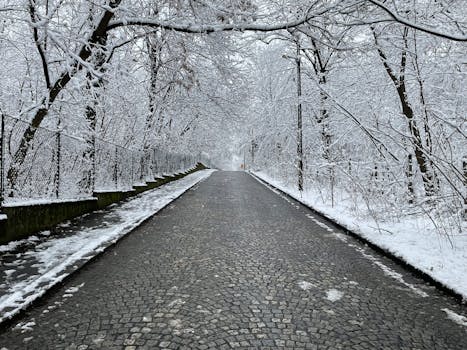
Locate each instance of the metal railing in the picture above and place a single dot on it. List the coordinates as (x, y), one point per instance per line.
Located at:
(62, 166)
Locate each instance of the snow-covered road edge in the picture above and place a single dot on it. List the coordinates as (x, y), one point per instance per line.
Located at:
(460, 291)
(98, 240)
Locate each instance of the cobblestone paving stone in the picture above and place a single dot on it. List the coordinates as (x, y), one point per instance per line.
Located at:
(232, 265)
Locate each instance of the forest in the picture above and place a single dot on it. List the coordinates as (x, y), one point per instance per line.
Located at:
(360, 104)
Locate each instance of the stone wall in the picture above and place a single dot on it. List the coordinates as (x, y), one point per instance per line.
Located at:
(25, 220)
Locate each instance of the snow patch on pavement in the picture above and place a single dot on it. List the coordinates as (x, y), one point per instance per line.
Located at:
(388, 271)
(340, 236)
(25, 326)
(15, 244)
(70, 291)
(319, 223)
(334, 295)
(305, 285)
(58, 257)
(459, 319)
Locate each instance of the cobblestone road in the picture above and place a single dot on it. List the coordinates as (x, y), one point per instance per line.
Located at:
(231, 264)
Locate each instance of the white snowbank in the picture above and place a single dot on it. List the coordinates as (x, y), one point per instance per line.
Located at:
(414, 240)
(57, 257)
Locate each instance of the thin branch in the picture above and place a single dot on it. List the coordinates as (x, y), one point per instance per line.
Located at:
(45, 67)
(372, 138)
(125, 42)
(384, 59)
(413, 25)
(208, 28)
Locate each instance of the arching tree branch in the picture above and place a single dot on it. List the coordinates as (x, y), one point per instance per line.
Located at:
(416, 26)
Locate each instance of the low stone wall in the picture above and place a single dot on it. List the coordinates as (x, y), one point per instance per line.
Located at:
(106, 198)
(25, 220)
(2, 225)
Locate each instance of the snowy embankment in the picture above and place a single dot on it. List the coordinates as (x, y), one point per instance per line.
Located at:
(55, 258)
(415, 241)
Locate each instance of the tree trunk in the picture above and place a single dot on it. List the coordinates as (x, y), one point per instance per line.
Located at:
(407, 111)
(420, 157)
(62, 81)
(426, 125)
(464, 169)
(155, 63)
(89, 178)
(409, 174)
(299, 121)
(323, 120)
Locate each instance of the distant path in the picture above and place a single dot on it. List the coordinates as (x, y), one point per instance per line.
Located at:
(231, 264)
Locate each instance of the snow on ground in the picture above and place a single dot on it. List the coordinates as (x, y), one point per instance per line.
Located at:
(14, 244)
(19, 202)
(414, 240)
(305, 285)
(25, 326)
(58, 257)
(70, 291)
(334, 295)
(389, 272)
(462, 320)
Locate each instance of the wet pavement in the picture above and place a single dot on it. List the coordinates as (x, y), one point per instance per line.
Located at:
(231, 264)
